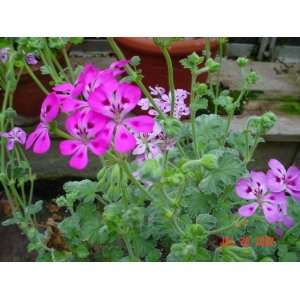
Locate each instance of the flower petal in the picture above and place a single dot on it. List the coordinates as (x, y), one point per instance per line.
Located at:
(295, 194)
(293, 184)
(292, 173)
(259, 181)
(287, 221)
(68, 147)
(124, 140)
(244, 189)
(143, 124)
(139, 149)
(10, 144)
(107, 132)
(101, 102)
(128, 96)
(98, 146)
(248, 209)
(50, 108)
(42, 143)
(277, 167)
(79, 159)
(275, 183)
(34, 135)
(271, 212)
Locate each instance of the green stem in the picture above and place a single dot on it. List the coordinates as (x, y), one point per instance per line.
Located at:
(51, 68)
(221, 45)
(207, 47)
(125, 167)
(231, 114)
(60, 67)
(134, 75)
(168, 59)
(129, 249)
(227, 227)
(193, 117)
(60, 133)
(35, 79)
(70, 68)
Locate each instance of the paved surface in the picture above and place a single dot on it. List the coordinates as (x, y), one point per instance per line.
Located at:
(276, 80)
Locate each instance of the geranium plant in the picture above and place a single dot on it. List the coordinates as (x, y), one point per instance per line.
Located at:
(173, 184)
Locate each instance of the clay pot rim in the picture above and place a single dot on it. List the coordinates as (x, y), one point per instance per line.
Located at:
(179, 48)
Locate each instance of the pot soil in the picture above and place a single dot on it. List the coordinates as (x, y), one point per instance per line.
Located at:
(153, 64)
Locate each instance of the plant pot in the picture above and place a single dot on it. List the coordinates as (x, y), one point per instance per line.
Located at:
(153, 64)
(28, 97)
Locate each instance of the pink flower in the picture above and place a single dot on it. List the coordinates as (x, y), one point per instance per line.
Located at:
(92, 78)
(273, 205)
(31, 59)
(115, 103)
(16, 135)
(118, 67)
(280, 180)
(67, 93)
(85, 128)
(39, 139)
(152, 145)
(73, 97)
(163, 101)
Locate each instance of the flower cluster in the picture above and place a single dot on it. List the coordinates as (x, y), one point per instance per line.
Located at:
(16, 135)
(268, 192)
(163, 101)
(97, 106)
(152, 145)
(31, 59)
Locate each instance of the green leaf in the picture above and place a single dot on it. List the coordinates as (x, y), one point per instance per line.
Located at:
(8, 222)
(230, 168)
(207, 221)
(151, 170)
(85, 190)
(34, 208)
(211, 130)
(235, 254)
(81, 251)
(285, 255)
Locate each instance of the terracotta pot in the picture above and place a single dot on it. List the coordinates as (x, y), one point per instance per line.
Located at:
(153, 65)
(28, 97)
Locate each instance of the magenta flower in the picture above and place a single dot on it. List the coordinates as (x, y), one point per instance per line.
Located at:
(74, 97)
(68, 95)
(85, 128)
(116, 103)
(16, 135)
(280, 180)
(31, 59)
(39, 139)
(117, 67)
(273, 205)
(92, 78)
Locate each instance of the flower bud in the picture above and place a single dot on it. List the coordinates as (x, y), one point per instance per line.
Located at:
(212, 65)
(209, 161)
(242, 61)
